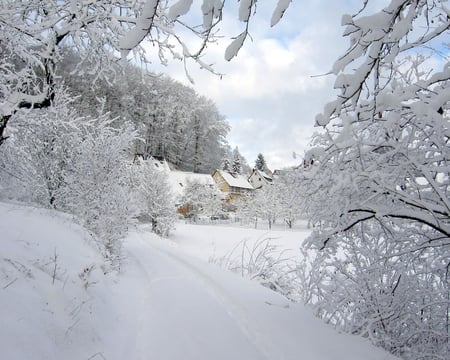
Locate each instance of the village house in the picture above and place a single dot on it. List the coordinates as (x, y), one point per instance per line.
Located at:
(234, 185)
(259, 178)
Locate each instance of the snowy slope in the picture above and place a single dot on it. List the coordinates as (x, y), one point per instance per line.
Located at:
(163, 305)
(42, 318)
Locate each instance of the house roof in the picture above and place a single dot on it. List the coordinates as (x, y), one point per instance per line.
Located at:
(263, 174)
(179, 179)
(238, 181)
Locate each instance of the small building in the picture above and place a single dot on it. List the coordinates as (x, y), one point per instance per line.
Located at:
(259, 178)
(234, 185)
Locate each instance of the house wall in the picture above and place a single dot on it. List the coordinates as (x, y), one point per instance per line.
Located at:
(232, 192)
(221, 183)
(256, 180)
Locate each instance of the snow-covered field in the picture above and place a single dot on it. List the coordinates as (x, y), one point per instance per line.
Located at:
(167, 302)
(210, 242)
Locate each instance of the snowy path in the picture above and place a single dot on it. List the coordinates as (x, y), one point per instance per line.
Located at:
(190, 305)
(194, 310)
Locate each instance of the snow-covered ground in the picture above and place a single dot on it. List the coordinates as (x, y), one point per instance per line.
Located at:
(56, 302)
(210, 242)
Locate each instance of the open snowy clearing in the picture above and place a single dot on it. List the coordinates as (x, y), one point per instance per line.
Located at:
(210, 242)
(57, 303)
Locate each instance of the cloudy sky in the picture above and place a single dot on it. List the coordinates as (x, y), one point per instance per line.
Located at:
(272, 90)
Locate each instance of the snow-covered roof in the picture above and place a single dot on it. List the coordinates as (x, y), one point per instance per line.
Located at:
(160, 164)
(179, 179)
(263, 174)
(238, 181)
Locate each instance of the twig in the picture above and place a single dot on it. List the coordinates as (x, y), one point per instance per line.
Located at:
(96, 354)
(69, 329)
(10, 283)
(55, 267)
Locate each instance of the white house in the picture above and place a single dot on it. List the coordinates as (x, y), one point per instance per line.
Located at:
(259, 178)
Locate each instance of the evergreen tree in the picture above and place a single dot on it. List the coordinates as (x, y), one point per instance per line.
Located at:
(236, 166)
(260, 163)
(226, 166)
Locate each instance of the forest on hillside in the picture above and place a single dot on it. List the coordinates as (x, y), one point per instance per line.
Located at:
(172, 121)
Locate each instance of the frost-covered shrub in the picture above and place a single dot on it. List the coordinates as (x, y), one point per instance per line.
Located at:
(263, 262)
(39, 148)
(59, 159)
(97, 187)
(370, 285)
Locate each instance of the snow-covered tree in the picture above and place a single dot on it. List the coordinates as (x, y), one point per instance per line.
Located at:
(280, 200)
(206, 133)
(246, 210)
(153, 197)
(236, 165)
(40, 148)
(173, 121)
(288, 188)
(262, 204)
(384, 152)
(33, 34)
(260, 163)
(202, 199)
(59, 159)
(379, 181)
(97, 185)
(226, 166)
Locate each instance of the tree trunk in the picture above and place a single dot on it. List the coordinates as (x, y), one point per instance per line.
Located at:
(3, 122)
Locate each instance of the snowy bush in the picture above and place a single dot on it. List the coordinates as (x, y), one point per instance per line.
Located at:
(369, 284)
(97, 187)
(40, 146)
(62, 160)
(264, 262)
